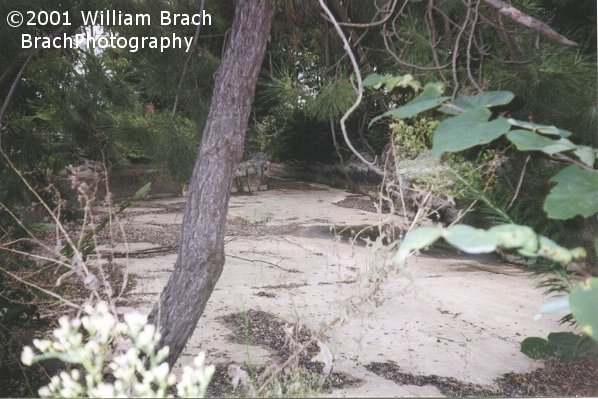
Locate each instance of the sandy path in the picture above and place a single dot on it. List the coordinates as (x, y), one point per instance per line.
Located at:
(448, 317)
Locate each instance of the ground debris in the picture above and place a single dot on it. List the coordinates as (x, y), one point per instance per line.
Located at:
(446, 385)
(555, 379)
(255, 327)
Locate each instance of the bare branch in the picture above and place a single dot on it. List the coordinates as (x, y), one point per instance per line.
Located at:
(521, 18)
(519, 183)
(359, 87)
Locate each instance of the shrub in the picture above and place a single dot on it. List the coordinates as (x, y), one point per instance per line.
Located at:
(136, 368)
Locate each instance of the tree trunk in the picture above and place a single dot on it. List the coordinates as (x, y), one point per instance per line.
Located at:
(201, 253)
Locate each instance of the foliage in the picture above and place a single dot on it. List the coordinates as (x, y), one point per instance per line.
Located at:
(565, 346)
(137, 368)
(411, 138)
(331, 101)
(476, 241)
(573, 195)
(583, 301)
(390, 82)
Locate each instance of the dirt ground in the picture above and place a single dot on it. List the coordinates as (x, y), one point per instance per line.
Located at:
(440, 326)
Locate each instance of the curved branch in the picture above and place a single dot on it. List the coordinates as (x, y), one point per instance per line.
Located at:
(359, 87)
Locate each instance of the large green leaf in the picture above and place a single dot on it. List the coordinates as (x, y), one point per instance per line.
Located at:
(544, 129)
(417, 239)
(587, 155)
(487, 99)
(470, 240)
(583, 301)
(412, 108)
(554, 251)
(428, 99)
(515, 236)
(526, 140)
(575, 193)
(565, 346)
(467, 130)
(534, 347)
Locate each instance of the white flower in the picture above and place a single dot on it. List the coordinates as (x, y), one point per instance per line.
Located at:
(103, 390)
(44, 392)
(27, 356)
(84, 342)
(146, 340)
(135, 321)
(161, 372)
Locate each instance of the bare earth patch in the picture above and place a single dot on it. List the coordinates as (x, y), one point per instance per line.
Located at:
(445, 319)
(256, 327)
(361, 202)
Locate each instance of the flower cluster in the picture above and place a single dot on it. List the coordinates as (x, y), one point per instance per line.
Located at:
(136, 369)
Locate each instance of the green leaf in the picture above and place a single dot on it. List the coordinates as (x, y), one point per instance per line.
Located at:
(142, 192)
(376, 81)
(467, 130)
(550, 130)
(530, 141)
(470, 239)
(515, 236)
(430, 91)
(413, 108)
(417, 239)
(429, 98)
(555, 252)
(486, 99)
(575, 193)
(372, 80)
(584, 306)
(405, 81)
(534, 347)
(587, 155)
(375, 119)
(564, 346)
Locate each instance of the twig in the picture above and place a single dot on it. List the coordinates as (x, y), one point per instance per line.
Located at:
(263, 261)
(191, 52)
(568, 159)
(469, 43)
(519, 183)
(37, 287)
(456, 49)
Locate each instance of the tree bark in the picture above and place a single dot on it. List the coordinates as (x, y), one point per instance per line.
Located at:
(200, 258)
